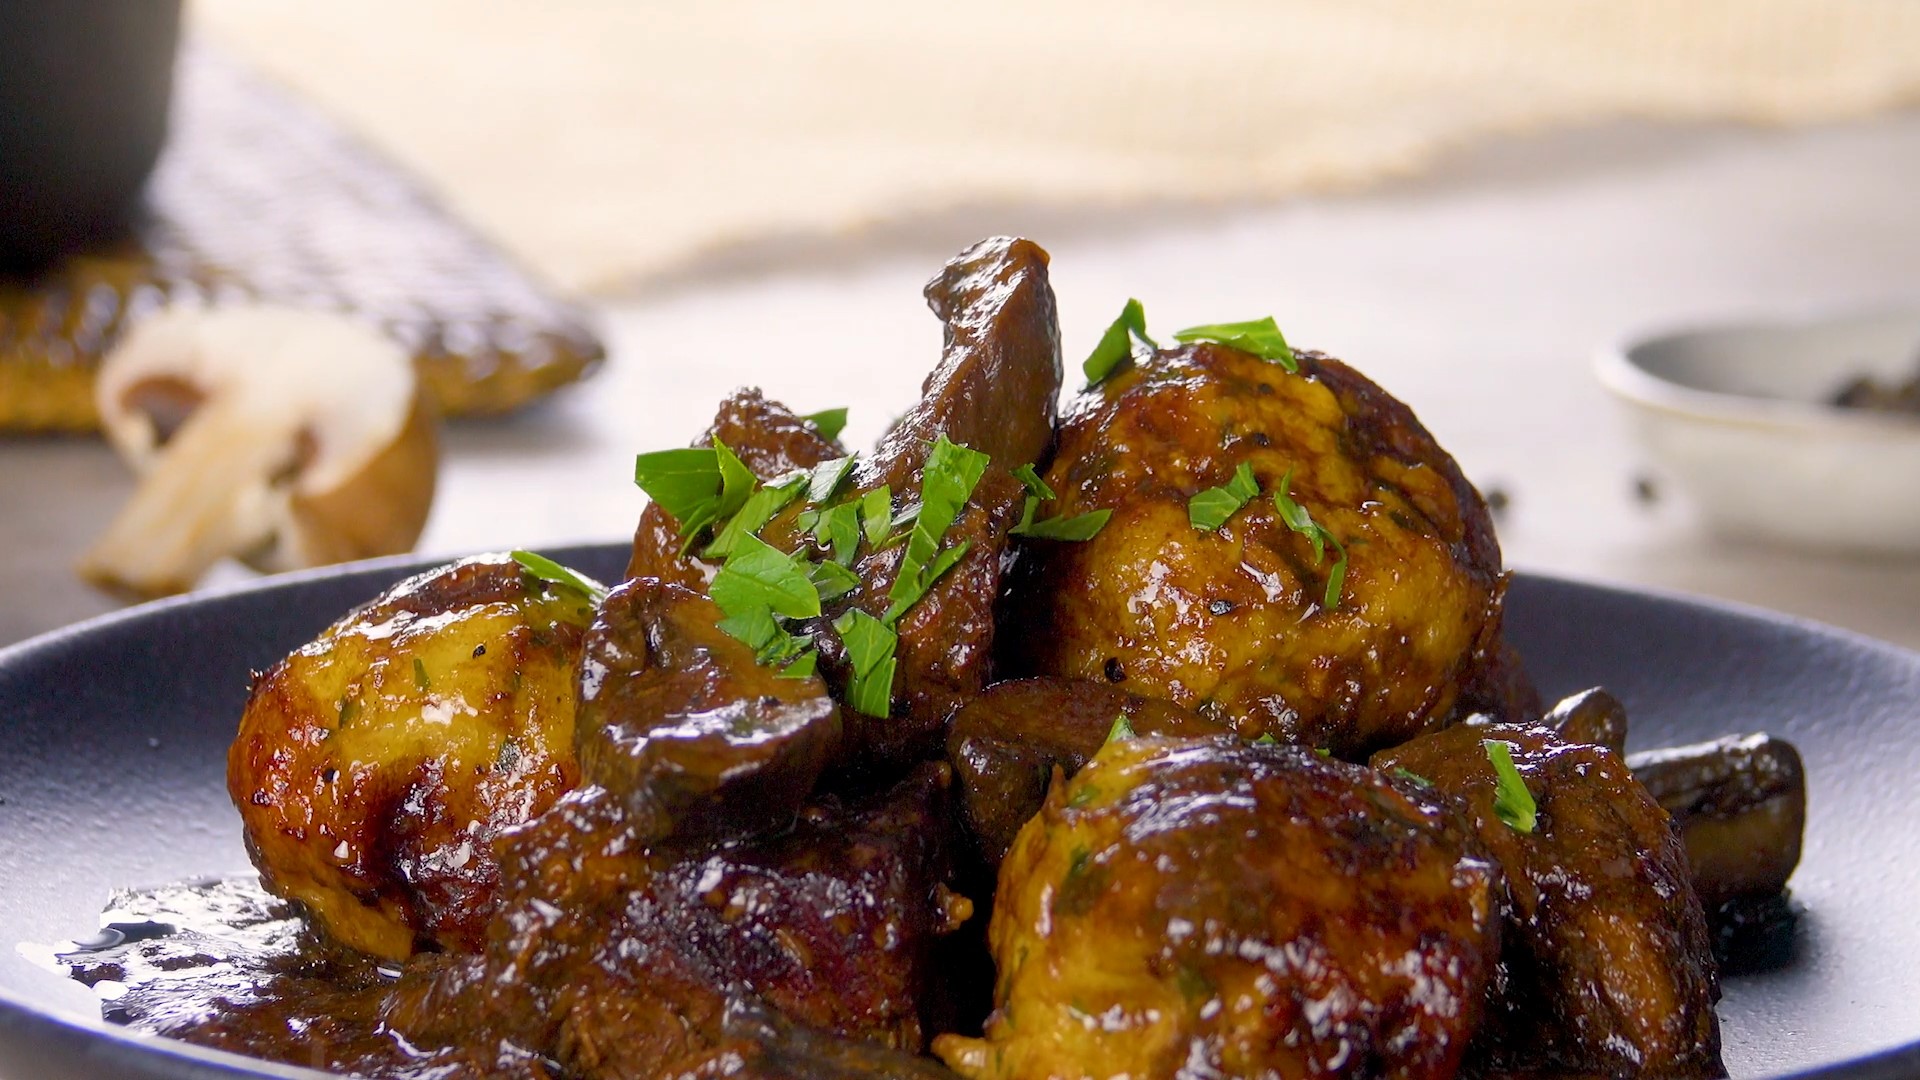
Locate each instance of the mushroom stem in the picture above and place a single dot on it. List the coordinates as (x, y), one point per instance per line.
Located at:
(208, 495)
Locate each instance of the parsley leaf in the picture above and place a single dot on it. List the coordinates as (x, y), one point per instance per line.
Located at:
(681, 482)
(553, 573)
(1261, 337)
(1116, 344)
(753, 515)
(829, 422)
(757, 575)
(1030, 480)
(737, 482)
(1211, 508)
(870, 644)
(1266, 739)
(826, 477)
(1121, 731)
(1300, 521)
(1411, 777)
(1512, 802)
(838, 530)
(833, 580)
(946, 483)
(876, 514)
(802, 667)
(1078, 527)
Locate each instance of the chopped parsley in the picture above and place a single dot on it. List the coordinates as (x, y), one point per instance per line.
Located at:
(826, 477)
(828, 422)
(1122, 729)
(876, 514)
(1512, 802)
(1078, 527)
(946, 483)
(755, 512)
(838, 530)
(757, 575)
(802, 666)
(1300, 521)
(1211, 508)
(1411, 777)
(554, 574)
(1116, 345)
(870, 644)
(1261, 337)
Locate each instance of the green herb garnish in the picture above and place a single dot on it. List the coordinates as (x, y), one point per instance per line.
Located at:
(681, 482)
(838, 530)
(826, 477)
(757, 575)
(870, 644)
(554, 574)
(802, 667)
(1300, 521)
(420, 679)
(1079, 527)
(754, 513)
(946, 483)
(1211, 508)
(829, 422)
(876, 514)
(1261, 337)
(833, 580)
(1266, 739)
(1412, 777)
(1122, 729)
(1512, 802)
(1116, 344)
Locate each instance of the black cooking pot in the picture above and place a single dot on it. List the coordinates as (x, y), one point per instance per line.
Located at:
(84, 87)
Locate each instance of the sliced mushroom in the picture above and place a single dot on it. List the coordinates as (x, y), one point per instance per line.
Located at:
(285, 438)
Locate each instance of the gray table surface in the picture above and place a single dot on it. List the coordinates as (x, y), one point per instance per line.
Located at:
(1478, 293)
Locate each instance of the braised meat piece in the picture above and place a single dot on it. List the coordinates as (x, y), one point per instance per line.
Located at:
(999, 376)
(1591, 716)
(770, 440)
(1209, 907)
(615, 960)
(1006, 744)
(1739, 805)
(1234, 622)
(1607, 965)
(375, 766)
(678, 720)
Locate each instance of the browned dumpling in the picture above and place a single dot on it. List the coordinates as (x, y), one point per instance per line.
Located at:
(1234, 622)
(375, 766)
(1190, 907)
(1608, 969)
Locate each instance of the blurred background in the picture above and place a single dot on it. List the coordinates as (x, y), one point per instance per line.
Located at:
(1468, 202)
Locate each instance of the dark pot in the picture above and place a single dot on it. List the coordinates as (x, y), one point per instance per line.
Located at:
(84, 88)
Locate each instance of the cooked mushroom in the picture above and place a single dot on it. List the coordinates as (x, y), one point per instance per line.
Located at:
(285, 438)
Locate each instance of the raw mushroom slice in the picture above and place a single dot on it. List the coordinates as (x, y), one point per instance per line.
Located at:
(285, 438)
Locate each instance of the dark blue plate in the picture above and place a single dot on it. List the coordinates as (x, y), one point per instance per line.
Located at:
(113, 740)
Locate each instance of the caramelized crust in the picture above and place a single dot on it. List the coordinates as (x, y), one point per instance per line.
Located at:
(374, 766)
(1232, 622)
(1608, 968)
(1207, 907)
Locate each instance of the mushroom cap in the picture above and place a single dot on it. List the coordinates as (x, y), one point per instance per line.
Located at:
(285, 437)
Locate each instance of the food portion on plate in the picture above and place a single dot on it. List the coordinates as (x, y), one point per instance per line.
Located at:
(1174, 736)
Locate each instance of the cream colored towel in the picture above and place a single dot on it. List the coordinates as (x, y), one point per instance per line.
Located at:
(610, 141)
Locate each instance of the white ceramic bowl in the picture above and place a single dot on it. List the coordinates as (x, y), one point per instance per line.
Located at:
(1738, 416)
